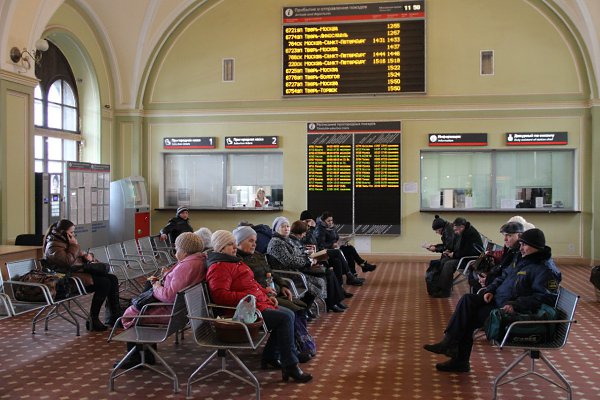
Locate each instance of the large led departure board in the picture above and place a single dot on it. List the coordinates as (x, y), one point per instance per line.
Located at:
(374, 48)
(353, 170)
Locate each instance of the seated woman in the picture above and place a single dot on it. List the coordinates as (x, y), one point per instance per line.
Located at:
(289, 253)
(189, 270)
(328, 238)
(230, 280)
(245, 238)
(63, 254)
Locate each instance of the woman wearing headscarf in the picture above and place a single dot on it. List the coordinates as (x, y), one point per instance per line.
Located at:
(288, 251)
(230, 280)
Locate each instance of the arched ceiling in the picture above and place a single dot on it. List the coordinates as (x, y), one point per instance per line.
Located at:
(132, 30)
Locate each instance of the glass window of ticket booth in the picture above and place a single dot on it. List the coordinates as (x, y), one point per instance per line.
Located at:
(498, 180)
(222, 180)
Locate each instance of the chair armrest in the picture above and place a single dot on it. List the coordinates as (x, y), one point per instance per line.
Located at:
(45, 290)
(552, 321)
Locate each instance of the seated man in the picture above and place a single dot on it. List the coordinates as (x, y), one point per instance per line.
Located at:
(467, 242)
(446, 230)
(522, 288)
(510, 254)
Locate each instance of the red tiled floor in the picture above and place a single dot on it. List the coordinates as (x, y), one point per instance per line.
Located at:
(373, 350)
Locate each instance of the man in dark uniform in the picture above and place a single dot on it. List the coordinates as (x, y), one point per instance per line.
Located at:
(176, 226)
(522, 288)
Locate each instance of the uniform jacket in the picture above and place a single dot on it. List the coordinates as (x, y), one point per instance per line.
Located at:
(468, 243)
(187, 272)
(527, 284)
(230, 280)
(175, 227)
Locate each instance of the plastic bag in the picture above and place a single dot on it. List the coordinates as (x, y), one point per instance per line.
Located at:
(246, 310)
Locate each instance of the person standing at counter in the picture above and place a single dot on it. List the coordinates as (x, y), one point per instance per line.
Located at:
(176, 226)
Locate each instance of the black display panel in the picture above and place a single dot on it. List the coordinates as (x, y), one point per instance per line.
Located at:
(353, 170)
(377, 183)
(375, 48)
(329, 177)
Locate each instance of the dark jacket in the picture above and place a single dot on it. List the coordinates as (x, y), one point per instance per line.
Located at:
(527, 284)
(61, 255)
(263, 236)
(175, 227)
(468, 243)
(447, 239)
(325, 236)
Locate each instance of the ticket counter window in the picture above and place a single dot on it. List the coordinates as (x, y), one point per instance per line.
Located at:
(498, 180)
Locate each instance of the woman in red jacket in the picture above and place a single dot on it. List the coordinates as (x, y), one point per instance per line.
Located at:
(230, 280)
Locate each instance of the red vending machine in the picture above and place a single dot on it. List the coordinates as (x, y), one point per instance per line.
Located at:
(129, 209)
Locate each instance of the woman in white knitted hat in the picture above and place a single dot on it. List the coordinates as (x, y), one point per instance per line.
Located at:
(176, 226)
(229, 280)
(189, 270)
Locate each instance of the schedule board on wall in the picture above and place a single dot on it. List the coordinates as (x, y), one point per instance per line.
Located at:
(344, 49)
(353, 170)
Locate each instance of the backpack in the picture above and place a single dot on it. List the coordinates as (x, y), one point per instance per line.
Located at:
(59, 286)
(305, 343)
(498, 322)
(432, 275)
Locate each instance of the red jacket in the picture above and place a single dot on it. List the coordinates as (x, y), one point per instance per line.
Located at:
(229, 280)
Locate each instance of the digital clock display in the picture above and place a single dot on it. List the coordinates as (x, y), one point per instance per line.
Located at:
(376, 48)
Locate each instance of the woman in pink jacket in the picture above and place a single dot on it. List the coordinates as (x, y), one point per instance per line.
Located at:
(189, 270)
(230, 280)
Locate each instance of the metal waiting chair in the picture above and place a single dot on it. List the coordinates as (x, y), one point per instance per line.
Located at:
(566, 303)
(164, 258)
(6, 309)
(126, 283)
(49, 308)
(463, 264)
(131, 264)
(201, 320)
(148, 260)
(299, 286)
(148, 335)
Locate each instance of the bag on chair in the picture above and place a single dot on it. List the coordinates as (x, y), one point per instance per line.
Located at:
(498, 322)
(143, 299)
(246, 310)
(57, 284)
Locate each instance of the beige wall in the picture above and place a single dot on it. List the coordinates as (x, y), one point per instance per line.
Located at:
(538, 86)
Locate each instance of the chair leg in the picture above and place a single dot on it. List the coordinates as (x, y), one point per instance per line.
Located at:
(567, 388)
(193, 375)
(243, 367)
(36, 318)
(505, 372)
(114, 373)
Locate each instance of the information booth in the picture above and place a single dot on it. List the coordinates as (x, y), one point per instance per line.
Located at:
(129, 209)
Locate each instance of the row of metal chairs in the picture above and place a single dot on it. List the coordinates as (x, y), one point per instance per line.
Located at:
(196, 301)
(47, 307)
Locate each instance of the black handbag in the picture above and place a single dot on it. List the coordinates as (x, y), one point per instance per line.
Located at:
(96, 268)
(143, 299)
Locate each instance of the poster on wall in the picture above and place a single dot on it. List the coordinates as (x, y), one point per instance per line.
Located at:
(353, 170)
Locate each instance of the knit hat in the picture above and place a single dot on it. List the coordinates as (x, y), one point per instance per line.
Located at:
(189, 243)
(438, 223)
(278, 221)
(534, 237)
(512, 227)
(181, 209)
(305, 215)
(242, 233)
(205, 235)
(220, 239)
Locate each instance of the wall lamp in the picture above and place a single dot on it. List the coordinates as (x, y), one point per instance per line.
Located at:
(24, 57)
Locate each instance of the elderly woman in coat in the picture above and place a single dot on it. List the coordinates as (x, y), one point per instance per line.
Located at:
(230, 280)
(189, 270)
